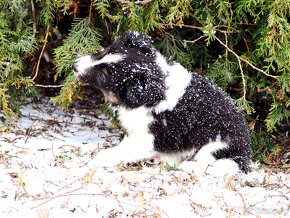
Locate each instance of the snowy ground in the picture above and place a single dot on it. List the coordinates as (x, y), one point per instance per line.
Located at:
(44, 173)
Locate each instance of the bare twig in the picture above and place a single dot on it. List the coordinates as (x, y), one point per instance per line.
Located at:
(16, 146)
(144, 2)
(34, 20)
(195, 40)
(268, 88)
(243, 78)
(215, 28)
(53, 153)
(59, 86)
(187, 26)
(49, 86)
(227, 52)
(91, 11)
(246, 44)
(228, 49)
(22, 185)
(41, 53)
(244, 60)
(243, 200)
(240, 64)
(48, 199)
(124, 1)
(139, 2)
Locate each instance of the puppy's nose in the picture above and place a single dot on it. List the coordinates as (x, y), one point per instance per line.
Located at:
(75, 66)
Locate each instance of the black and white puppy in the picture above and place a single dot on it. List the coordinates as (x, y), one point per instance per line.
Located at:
(167, 111)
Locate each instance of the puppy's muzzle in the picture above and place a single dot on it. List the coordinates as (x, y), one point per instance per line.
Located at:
(76, 67)
(82, 64)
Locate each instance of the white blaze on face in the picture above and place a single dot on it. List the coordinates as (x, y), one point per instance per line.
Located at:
(85, 62)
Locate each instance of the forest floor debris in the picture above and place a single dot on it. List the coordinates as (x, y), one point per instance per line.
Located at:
(44, 172)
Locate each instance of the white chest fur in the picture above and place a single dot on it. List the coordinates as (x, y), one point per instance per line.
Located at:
(135, 121)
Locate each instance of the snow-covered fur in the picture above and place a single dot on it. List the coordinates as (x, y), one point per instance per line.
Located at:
(168, 112)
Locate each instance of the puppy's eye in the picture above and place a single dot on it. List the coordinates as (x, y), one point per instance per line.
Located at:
(105, 71)
(103, 66)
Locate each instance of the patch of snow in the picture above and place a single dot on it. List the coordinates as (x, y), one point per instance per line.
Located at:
(45, 168)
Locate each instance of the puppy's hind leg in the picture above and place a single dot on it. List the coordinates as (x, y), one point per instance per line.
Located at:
(133, 148)
(203, 158)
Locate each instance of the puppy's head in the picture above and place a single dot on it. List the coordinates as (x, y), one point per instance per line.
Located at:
(126, 71)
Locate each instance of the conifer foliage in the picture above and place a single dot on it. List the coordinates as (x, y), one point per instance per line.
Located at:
(242, 45)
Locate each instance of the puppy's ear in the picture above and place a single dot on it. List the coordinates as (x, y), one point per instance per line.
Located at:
(137, 40)
(134, 94)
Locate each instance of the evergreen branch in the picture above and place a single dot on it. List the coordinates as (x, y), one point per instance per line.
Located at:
(244, 60)
(41, 53)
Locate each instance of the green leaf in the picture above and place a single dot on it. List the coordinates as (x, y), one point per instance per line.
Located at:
(244, 105)
(83, 39)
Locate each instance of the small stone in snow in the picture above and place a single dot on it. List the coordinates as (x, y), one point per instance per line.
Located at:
(254, 179)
